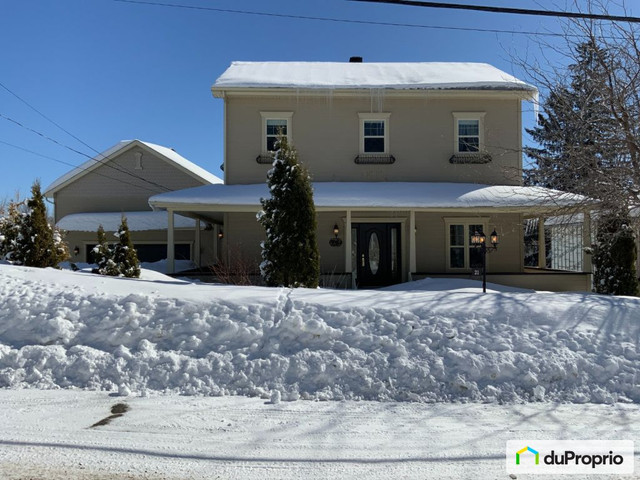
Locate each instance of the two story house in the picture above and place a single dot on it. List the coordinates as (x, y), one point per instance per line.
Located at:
(408, 161)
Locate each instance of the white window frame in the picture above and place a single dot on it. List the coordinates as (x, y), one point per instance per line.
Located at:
(459, 116)
(374, 117)
(287, 116)
(465, 221)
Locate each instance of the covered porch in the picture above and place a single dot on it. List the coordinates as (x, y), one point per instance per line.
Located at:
(377, 234)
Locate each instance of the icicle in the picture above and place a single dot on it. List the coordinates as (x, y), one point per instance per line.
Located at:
(535, 99)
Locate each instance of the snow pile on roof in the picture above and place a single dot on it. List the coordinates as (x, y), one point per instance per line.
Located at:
(110, 221)
(340, 75)
(381, 194)
(434, 342)
(105, 156)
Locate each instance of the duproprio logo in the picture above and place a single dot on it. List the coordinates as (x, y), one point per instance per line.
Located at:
(570, 456)
(525, 449)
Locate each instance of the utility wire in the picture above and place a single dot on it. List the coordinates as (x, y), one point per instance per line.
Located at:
(106, 164)
(74, 166)
(515, 11)
(339, 20)
(96, 158)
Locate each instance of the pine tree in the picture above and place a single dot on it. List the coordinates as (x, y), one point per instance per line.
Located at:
(614, 256)
(10, 230)
(577, 133)
(124, 254)
(290, 251)
(37, 243)
(103, 256)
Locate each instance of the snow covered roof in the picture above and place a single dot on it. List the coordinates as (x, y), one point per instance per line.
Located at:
(378, 195)
(110, 221)
(168, 154)
(342, 75)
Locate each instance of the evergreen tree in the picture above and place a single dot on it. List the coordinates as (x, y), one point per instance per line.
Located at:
(580, 151)
(10, 222)
(614, 256)
(37, 243)
(103, 256)
(124, 254)
(290, 251)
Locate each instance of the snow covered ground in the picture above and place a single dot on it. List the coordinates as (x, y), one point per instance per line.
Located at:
(47, 435)
(459, 373)
(436, 340)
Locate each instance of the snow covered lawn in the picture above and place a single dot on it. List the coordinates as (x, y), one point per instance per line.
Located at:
(459, 373)
(432, 340)
(47, 435)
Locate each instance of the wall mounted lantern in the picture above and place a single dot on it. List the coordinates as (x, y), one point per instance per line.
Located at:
(220, 235)
(335, 241)
(76, 250)
(479, 240)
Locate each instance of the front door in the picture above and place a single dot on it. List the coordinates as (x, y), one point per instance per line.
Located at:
(377, 254)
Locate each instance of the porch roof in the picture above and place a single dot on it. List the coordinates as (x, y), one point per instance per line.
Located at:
(374, 195)
(110, 221)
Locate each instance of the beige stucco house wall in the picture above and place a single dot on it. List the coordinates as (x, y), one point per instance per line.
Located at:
(325, 129)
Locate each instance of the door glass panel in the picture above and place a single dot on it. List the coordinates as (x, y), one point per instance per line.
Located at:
(374, 253)
(394, 250)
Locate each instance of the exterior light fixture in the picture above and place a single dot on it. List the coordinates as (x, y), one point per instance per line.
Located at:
(479, 240)
(335, 241)
(76, 250)
(220, 235)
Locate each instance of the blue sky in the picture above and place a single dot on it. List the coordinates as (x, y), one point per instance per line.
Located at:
(108, 71)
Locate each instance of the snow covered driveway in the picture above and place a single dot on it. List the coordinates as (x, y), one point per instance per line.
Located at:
(47, 435)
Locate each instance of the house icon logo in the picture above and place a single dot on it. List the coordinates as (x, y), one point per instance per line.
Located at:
(527, 448)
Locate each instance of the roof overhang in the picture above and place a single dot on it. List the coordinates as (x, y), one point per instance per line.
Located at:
(110, 221)
(381, 196)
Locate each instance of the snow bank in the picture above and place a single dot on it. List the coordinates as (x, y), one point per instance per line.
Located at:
(65, 329)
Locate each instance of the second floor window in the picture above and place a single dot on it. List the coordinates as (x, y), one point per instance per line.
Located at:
(374, 133)
(468, 132)
(274, 124)
(374, 136)
(275, 127)
(468, 135)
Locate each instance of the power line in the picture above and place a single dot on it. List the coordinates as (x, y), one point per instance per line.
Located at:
(97, 160)
(514, 11)
(74, 166)
(339, 20)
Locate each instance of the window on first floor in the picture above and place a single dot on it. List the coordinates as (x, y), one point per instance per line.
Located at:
(461, 254)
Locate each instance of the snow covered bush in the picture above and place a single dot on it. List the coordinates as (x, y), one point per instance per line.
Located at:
(10, 221)
(290, 251)
(614, 256)
(103, 255)
(26, 236)
(119, 260)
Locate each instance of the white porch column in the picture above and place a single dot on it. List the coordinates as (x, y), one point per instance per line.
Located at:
(348, 243)
(216, 229)
(542, 245)
(171, 261)
(196, 244)
(412, 244)
(586, 243)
